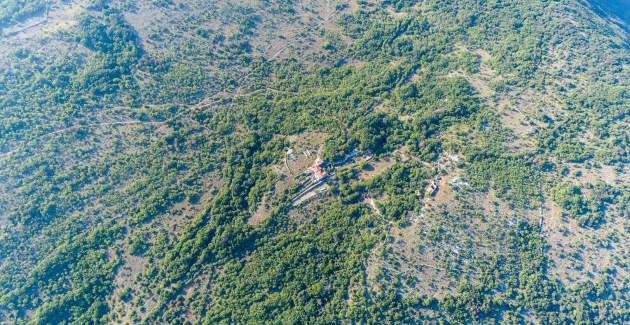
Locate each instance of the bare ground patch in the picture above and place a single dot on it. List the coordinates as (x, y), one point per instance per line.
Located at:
(376, 167)
(581, 175)
(579, 254)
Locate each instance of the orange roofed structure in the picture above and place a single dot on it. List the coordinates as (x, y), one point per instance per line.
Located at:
(316, 169)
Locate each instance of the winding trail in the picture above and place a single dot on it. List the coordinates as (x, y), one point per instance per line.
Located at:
(204, 103)
(78, 127)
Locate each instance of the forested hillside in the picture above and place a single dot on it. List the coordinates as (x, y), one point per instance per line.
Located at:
(284, 161)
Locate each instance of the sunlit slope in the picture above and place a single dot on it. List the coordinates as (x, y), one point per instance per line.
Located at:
(314, 162)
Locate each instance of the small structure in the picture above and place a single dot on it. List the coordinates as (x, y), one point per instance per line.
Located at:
(316, 170)
(289, 154)
(433, 187)
(457, 183)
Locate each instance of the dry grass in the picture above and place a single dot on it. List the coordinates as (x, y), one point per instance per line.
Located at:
(579, 254)
(581, 175)
(376, 167)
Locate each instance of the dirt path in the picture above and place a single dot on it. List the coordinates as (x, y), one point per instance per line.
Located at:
(205, 102)
(374, 207)
(78, 127)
